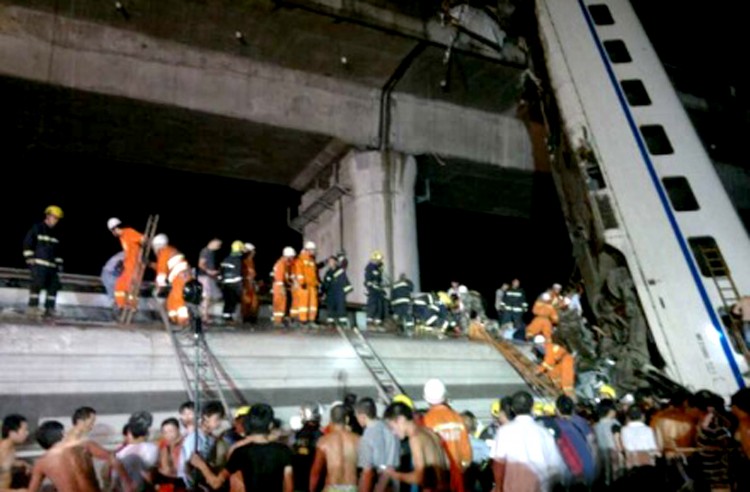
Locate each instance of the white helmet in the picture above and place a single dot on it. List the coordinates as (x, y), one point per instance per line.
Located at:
(462, 289)
(249, 247)
(546, 297)
(309, 245)
(113, 222)
(556, 287)
(539, 339)
(289, 252)
(159, 241)
(434, 392)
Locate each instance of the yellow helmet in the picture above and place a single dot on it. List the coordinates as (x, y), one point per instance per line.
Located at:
(238, 247)
(445, 299)
(538, 409)
(496, 408)
(402, 398)
(242, 411)
(54, 210)
(608, 391)
(549, 409)
(376, 256)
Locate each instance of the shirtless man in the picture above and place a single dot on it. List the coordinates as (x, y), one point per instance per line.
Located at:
(337, 453)
(68, 463)
(84, 419)
(15, 432)
(431, 465)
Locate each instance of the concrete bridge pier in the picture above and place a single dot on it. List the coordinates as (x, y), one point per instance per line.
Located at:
(366, 204)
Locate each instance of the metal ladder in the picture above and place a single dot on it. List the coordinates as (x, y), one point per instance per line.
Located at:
(388, 387)
(540, 384)
(199, 364)
(727, 289)
(133, 299)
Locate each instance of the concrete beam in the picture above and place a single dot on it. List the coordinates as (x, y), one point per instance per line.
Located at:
(91, 57)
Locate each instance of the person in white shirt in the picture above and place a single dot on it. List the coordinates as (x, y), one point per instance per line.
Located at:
(525, 456)
(638, 441)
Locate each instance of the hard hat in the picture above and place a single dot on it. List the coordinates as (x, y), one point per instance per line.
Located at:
(608, 391)
(376, 255)
(249, 247)
(238, 246)
(546, 297)
(242, 411)
(549, 409)
(309, 245)
(495, 408)
(539, 339)
(289, 252)
(628, 399)
(159, 241)
(113, 222)
(54, 210)
(538, 408)
(434, 392)
(462, 289)
(556, 287)
(402, 398)
(445, 299)
(295, 422)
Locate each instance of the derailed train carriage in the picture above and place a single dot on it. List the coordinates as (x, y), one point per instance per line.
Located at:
(660, 248)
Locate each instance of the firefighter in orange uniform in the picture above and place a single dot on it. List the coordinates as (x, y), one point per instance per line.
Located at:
(249, 307)
(172, 268)
(132, 242)
(306, 284)
(282, 278)
(545, 315)
(559, 364)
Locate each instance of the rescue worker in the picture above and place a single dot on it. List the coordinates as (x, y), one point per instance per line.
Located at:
(558, 364)
(514, 305)
(427, 311)
(282, 279)
(375, 290)
(448, 424)
(208, 274)
(132, 244)
(555, 293)
(336, 286)
(41, 249)
(401, 303)
(305, 286)
(545, 317)
(250, 301)
(231, 280)
(172, 269)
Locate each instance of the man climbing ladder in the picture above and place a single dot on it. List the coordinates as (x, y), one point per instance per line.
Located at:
(137, 248)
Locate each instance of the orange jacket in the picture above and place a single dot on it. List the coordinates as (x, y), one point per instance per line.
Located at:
(450, 427)
(545, 310)
(306, 271)
(553, 355)
(130, 239)
(169, 264)
(282, 271)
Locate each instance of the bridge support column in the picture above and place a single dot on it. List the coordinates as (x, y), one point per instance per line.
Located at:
(377, 212)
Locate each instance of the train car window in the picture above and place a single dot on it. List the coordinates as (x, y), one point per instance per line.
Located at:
(656, 139)
(709, 257)
(636, 93)
(680, 194)
(617, 51)
(601, 14)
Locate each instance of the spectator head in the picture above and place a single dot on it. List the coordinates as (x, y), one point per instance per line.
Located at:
(339, 414)
(259, 420)
(170, 429)
(606, 408)
(365, 410)
(635, 414)
(522, 403)
(187, 414)
(139, 424)
(399, 417)
(506, 410)
(740, 403)
(15, 428)
(211, 416)
(470, 422)
(50, 433)
(85, 418)
(565, 405)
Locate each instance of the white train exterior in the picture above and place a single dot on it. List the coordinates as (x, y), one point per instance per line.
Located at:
(614, 97)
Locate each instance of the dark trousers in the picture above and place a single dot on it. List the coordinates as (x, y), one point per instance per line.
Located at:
(232, 297)
(375, 305)
(44, 278)
(336, 305)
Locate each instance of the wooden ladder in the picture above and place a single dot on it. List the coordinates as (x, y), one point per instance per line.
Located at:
(133, 299)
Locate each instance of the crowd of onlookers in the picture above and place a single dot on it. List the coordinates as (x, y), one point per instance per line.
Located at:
(693, 442)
